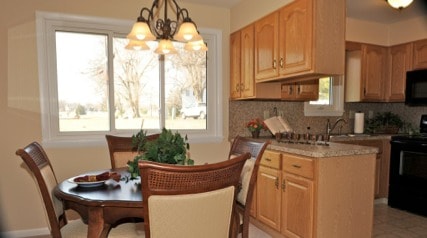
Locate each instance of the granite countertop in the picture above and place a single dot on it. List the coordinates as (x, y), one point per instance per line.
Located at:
(333, 149)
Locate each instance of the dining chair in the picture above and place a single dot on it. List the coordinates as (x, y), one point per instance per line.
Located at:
(191, 201)
(122, 150)
(248, 178)
(40, 167)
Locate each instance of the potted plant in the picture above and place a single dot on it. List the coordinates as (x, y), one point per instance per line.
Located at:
(169, 148)
(384, 123)
(255, 126)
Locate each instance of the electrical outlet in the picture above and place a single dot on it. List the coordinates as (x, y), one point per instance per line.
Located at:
(266, 114)
(370, 114)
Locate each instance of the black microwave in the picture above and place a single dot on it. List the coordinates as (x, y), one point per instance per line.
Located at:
(416, 88)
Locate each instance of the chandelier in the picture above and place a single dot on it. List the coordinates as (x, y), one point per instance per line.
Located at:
(150, 27)
(399, 4)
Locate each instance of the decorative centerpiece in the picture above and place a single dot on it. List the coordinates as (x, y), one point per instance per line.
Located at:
(255, 126)
(384, 123)
(169, 148)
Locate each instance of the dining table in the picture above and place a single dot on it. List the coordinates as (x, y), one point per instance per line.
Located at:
(104, 204)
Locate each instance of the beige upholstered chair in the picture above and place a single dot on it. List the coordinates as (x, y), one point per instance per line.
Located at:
(122, 150)
(249, 174)
(39, 165)
(191, 201)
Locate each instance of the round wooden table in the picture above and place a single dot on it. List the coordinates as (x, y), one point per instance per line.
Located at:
(103, 206)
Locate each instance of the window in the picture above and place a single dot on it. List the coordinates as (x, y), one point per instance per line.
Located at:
(91, 85)
(331, 98)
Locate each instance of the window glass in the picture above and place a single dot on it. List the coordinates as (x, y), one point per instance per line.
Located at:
(331, 98)
(82, 82)
(99, 87)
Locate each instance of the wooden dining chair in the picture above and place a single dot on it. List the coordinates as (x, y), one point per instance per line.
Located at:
(248, 178)
(122, 150)
(40, 167)
(191, 201)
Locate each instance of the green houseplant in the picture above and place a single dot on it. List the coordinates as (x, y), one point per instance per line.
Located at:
(169, 147)
(384, 123)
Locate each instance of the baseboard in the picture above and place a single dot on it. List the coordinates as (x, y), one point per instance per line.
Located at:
(381, 201)
(25, 233)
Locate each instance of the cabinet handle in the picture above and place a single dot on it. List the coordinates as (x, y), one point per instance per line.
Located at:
(274, 64)
(267, 159)
(283, 185)
(242, 87)
(276, 183)
(296, 166)
(291, 89)
(299, 89)
(364, 91)
(238, 87)
(282, 63)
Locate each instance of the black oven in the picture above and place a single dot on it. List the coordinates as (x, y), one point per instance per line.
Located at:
(408, 172)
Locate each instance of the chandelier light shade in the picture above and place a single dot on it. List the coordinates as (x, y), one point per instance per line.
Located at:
(399, 4)
(137, 45)
(150, 27)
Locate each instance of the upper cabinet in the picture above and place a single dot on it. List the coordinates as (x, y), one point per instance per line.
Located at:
(399, 61)
(365, 72)
(297, 41)
(377, 73)
(242, 82)
(420, 54)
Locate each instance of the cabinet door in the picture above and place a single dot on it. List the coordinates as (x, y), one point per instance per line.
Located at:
(297, 206)
(400, 61)
(295, 35)
(268, 197)
(373, 72)
(420, 54)
(266, 45)
(235, 86)
(287, 91)
(307, 90)
(247, 62)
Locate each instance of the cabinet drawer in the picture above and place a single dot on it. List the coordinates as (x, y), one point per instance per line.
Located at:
(271, 159)
(298, 165)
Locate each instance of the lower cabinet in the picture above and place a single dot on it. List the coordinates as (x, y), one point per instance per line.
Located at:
(268, 190)
(297, 206)
(300, 196)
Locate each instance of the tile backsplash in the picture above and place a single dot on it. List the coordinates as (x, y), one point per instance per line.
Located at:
(241, 112)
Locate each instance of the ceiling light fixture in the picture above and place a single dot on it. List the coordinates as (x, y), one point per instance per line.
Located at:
(399, 4)
(153, 28)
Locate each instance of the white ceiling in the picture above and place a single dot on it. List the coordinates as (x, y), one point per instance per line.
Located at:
(370, 10)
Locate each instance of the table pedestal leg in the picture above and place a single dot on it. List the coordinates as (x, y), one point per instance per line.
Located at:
(97, 228)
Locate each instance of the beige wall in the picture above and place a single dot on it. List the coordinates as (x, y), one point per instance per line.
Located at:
(21, 206)
(386, 34)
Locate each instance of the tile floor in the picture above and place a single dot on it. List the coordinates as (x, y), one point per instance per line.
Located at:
(388, 223)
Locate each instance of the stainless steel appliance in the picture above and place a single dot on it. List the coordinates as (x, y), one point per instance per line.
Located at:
(416, 88)
(408, 171)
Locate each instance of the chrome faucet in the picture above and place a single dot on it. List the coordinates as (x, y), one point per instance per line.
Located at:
(330, 128)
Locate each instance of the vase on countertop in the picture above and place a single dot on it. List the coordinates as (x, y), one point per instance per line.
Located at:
(255, 134)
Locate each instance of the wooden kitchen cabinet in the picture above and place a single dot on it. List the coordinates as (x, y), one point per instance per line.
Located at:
(420, 54)
(268, 190)
(366, 73)
(242, 82)
(297, 196)
(300, 91)
(399, 61)
(301, 196)
(382, 163)
(293, 42)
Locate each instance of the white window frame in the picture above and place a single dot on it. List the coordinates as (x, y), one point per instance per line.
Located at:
(337, 105)
(51, 137)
